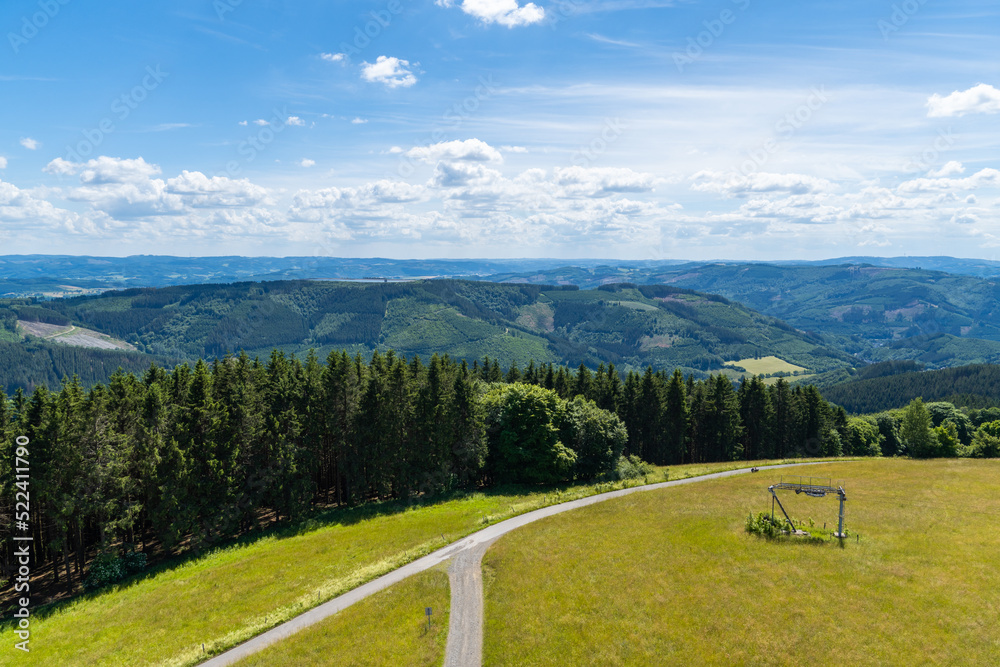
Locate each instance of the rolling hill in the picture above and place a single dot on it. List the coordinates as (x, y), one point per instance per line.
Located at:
(626, 325)
(878, 313)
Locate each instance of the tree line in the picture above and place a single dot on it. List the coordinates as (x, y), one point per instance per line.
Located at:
(177, 459)
(673, 419)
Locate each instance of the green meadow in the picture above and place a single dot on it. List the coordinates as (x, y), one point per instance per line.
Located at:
(388, 629)
(226, 596)
(671, 577)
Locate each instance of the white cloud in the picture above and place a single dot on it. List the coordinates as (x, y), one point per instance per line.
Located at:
(243, 123)
(513, 149)
(457, 174)
(602, 181)
(104, 169)
(333, 57)
(20, 209)
(982, 98)
(30, 143)
(505, 12)
(738, 185)
(306, 162)
(261, 122)
(949, 169)
(359, 121)
(125, 189)
(390, 71)
(201, 191)
(295, 121)
(3, 162)
(470, 150)
(984, 178)
(964, 218)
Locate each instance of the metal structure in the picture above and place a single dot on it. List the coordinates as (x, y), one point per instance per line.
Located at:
(812, 487)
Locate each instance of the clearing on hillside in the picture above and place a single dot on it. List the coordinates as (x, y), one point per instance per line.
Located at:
(767, 366)
(671, 577)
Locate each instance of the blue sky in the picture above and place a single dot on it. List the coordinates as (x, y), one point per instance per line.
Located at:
(732, 129)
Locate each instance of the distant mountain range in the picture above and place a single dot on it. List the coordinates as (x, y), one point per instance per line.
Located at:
(667, 327)
(62, 275)
(819, 316)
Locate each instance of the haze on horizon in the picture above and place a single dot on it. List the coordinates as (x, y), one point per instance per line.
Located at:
(636, 129)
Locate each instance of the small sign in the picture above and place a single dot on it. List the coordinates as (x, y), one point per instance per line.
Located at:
(427, 611)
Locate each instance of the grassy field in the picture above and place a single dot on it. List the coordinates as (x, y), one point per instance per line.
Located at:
(389, 629)
(766, 366)
(670, 577)
(230, 595)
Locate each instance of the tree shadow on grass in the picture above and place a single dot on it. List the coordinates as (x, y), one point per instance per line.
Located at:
(316, 519)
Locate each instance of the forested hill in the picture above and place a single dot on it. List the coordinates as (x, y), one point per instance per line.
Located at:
(666, 327)
(879, 313)
(975, 386)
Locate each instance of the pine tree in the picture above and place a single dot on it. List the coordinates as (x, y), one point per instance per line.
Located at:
(675, 419)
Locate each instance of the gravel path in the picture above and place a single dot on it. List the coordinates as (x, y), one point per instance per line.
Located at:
(465, 629)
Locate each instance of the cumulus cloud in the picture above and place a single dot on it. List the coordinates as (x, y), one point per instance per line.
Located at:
(949, 169)
(985, 178)
(458, 174)
(20, 209)
(738, 185)
(470, 150)
(982, 98)
(104, 169)
(505, 12)
(333, 57)
(964, 218)
(358, 121)
(306, 162)
(295, 121)
(201, 191)
(602, 181)
(127, 189)
(30, 143)
(389, 71)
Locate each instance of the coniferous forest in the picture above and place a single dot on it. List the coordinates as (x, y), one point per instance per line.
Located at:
(177, 460)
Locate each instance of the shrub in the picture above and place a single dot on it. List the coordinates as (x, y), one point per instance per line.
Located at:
(109, 568)
(763, 524)
(629, 467)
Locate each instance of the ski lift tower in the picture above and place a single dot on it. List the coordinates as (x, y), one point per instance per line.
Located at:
(812, 487)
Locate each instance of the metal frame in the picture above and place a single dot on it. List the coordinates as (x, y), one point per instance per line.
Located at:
(812, 487)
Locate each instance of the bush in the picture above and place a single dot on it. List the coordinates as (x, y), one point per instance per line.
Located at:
(110, 568)
(764, 525)
(629, 467)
